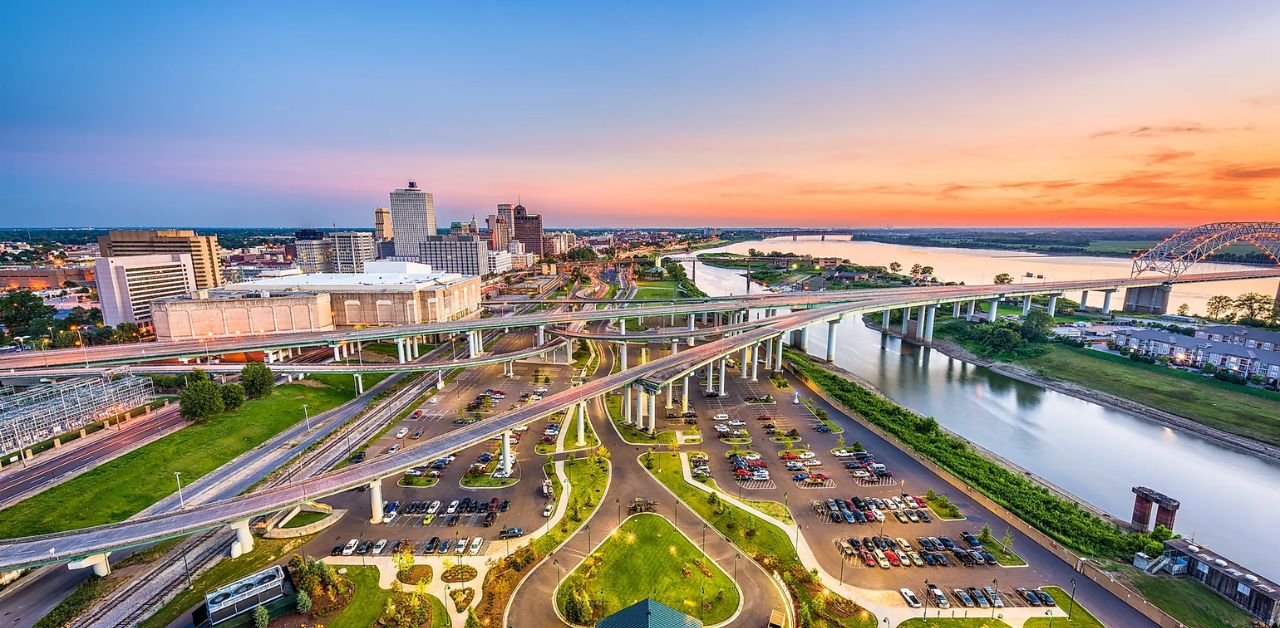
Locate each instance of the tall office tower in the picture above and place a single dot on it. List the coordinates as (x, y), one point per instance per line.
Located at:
(351, 249)
(413, 218)
(499, 232)
(312, 251)
(464, 254)
(202, 249)
(128, 284)
(382, 229)
(527, 230)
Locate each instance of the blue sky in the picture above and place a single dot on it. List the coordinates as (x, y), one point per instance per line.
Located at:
(640, 113)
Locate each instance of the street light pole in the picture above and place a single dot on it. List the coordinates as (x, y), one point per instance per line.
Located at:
(307, 415)
(1072, 606)
(182, 503)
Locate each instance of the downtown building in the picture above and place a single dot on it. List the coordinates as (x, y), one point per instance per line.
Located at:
(465, 254)
(334, 252)
(128, 284)
(413, 218)
(203, 250)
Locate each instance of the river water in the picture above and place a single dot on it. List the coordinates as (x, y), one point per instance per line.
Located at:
(1229, 500)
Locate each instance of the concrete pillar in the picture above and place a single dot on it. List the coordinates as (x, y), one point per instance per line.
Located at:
(755, 361)
(1106, 301)
(359, 384)
(955, 310)
(337, 353)
(692, 327)
(1053, 304)
(542, 335)
(644, 355)
(745, 351)
(994, 306)
(622, 353)
(1084, 299)
(884, 321)
(684, 395)
(675, 346)
(440, 376)
(582, 424)
(473, 350)
(1026, 305)
(507, 462)
(622, 326)
(723, 362)
(626, 404)
(640, 406)
(831, 339)
(244, 539)
(671, 403)
(100, 563)
(906, 320)
(973, 306)
(706, 377)
(920, 321)
(777, 357)
(400, 350)
(930, 313)
(375, 501)
(653, 413)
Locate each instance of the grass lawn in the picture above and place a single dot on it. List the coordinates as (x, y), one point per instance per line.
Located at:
(1237, 409)
(305, 518)
(1080, 616)
(370, 599)
(1003, 555)
(265, 552)
(121, 487)
(648, 557)
(665, 289)
(1187, 600)
(417, 481)
(945, 622)
(484, 480)
(613, 403)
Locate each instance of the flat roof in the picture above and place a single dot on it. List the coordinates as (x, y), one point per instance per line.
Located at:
(1227, 566)
(355, 282)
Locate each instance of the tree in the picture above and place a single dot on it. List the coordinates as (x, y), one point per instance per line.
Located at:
(926, 271)
(200, 399)
(304, 602)
(257, 379)
(232, 396)
(895, 267)
(1004, 279)
(126, 333)
(1254, 305)
(20, 309)
(1184, 310)
(917, 270)
(403, 560)
(261, 617)
(1036, 326)
(1219, 306)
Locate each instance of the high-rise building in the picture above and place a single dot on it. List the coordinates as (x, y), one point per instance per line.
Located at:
(351, 249)
(312, 252)
(463, 254)
(413, 218)
(501, 227)
(382, 229)
(499, 262)
(527, 230)
(127, 284)
(202, 249)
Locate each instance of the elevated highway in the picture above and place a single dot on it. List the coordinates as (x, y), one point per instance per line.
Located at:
(92, 543)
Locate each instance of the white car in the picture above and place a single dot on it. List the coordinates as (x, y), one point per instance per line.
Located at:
(546, 512)
(878, 514)
(462, 545)
(394, 448)
(404, 431)
(350, 547)
(811, 463)
(453, 507)
(433, 401)
(379, 546)
(389, 517)
(842, 453)
(737, 422)
(476, 543)
(796, 466)
(520, 428)
(720, 417)
(859, 473)
(806, 455)
(910, 597)
(721, 427)
(752, 456)
(434, 507)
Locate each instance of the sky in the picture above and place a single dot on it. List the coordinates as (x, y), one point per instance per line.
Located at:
(683, 114)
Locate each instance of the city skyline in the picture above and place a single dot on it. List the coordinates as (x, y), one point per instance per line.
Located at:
(682, 116)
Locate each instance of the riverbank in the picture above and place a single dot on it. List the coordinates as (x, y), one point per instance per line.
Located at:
(1217, 436)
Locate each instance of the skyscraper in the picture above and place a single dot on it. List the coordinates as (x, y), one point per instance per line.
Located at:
(351, 249)
(202, 249)
(128, 284)
(413, 218)
(466, 254)
(382, 229)
(527, 230)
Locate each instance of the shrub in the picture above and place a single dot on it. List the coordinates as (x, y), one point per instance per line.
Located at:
(261, 617)
(201, 399)
(257, 379)
(232, 396)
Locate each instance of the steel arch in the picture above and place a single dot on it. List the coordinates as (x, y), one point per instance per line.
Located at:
(1183, 249)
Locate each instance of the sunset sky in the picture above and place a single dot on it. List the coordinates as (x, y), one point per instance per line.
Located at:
(646, 113)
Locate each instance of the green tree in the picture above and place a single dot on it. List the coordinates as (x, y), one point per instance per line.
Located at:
(261, 617)
(126, 333)
(1036, 326)
(201, 399)
(1219, 306)
(1184, 310)
(257, 379)
(1004, 279)
(1254, 305)
(304, 602)
(232, 396)
(895, 267)
(20, 309)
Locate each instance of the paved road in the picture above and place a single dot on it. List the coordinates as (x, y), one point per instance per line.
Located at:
(52, 467)
(195, 348)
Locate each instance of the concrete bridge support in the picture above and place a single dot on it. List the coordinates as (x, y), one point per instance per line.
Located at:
(1106, 301)
(692, 327)
(1026, 305)
(800, 339)
(337, 352)
(993, 308)
(955, 310)
(723, 362)
(1053, 304)
(832, 326)
(755, 362)
(626, 405)
(920, 322)
(973, 306)
(359, 383)
(706, 377)
(684, 394)
(777, 355)
(930, 312)
(906, 321)
(542, 335)
(884, 322)
(244, 538)
(622, 353)
(653, 413)
(641, 405)
(400, 353)
(582, 423)
(745, 352)
(507, 462)
(375, 501)
(1148, 300)
(99, 562)
(1084, 299)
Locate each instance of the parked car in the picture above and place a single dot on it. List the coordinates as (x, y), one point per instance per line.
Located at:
(910, 597)
(476, 544)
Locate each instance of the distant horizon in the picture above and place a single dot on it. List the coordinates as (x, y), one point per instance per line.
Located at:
(624, 228)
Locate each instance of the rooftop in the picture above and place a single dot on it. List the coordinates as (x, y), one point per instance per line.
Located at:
(1228, 567)
(382, 274)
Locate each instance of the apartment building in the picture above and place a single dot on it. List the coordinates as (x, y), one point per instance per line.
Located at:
(203, 250)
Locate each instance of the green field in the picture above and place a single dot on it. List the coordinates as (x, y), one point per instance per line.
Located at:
(665, 289)
(1187, 600)
(1080, 616)
(370, 600)
(121, 487)
(1232, 408)
(947, 622)
(305, 518)
(648, 557)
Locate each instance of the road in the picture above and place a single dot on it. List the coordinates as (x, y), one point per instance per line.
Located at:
(112, 354)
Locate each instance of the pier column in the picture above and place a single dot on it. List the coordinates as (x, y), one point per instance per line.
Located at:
(622, 353)
(244, 538)
(582, 424)
(920, 322)
(800, 339)
(359, 383)
(884, 322)
(542, 335)
(400, 350)
(995, 306)
(777, 356)
(653, 413)
(1106, 301)
(745, 350)
(622, 326)
(1026, 305)
(1053, 304)
(955, 310)
(626, 404)
(973, 305)
(1084, 299)
(707, 376)
(506, 453)
(684, 395)
(906, 321)
(723, 362)
(755, 362)
(930, 313)
(671, 403)
(337, 353)
(100, 563)
(832, 325)
(375, 501)
(641, 404)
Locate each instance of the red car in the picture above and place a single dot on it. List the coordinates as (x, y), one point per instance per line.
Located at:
(893, 558)
(789, 455)
(867, 558)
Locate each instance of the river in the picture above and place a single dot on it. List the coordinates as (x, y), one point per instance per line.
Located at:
(1228, 498)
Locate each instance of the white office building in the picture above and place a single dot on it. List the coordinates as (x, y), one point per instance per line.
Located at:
(413, 218)
(463, 254)
(128, 284)
(351, 249)
(499, 262)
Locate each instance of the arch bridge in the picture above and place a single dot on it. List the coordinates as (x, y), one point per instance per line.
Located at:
(1184, 249)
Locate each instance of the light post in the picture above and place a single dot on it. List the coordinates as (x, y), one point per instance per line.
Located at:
(306, 415)
(618, 502)
(1072, 606)
(589, 545)
(736, 558)
(995, 585)
(182, 503)
(925, 599)
(704, 538)
(83, 347)
(1049, 614)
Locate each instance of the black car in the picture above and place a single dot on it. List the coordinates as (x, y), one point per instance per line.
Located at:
(690, 415)
(710, 394)
(357, 457)
(336, 551)
(431, 545)
(1044, 597)
(363, 548)
(506, 503)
